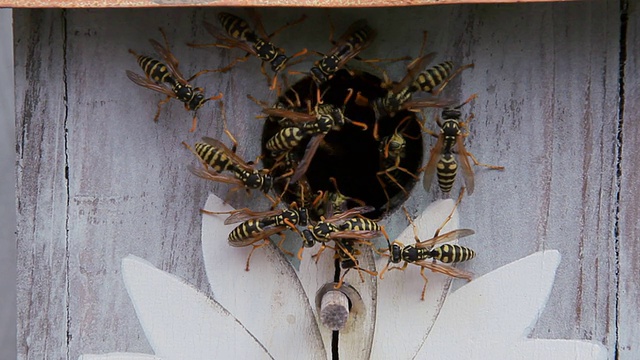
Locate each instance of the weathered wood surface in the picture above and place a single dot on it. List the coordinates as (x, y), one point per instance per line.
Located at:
(7, 193)
(98, 180)
(628, 322)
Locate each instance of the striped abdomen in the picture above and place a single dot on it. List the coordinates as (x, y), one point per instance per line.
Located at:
(356, 40)
(155, 70)
(236, 27)
(247, 230)
(434, 76)
(357, 224)
(452, 253)
(214, 157)
(285, 140)
(446, 169)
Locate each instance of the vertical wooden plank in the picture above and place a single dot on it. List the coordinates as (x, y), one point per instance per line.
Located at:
(129, 190)
(547, 82)
(7, 192)
(42, 290)
(628, 318)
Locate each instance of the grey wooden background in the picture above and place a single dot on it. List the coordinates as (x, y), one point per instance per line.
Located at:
(97, 179)
(7, 193)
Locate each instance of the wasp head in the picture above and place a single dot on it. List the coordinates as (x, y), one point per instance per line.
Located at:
(197, 100)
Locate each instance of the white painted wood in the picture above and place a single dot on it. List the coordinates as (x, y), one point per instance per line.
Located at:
(268, 299)
(493, 315)
(181, 322)
(403, 330)
(547, 78)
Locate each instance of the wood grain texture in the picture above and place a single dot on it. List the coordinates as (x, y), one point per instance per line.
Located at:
(547, 110)
(8, 254)
(628, 320)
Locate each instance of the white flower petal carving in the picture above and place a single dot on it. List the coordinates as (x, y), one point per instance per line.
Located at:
(269, 311)
(182, 323)
(269, 299)
(399, 292)
(491, 317)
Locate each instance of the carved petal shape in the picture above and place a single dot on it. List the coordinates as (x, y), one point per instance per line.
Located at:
(491, 317)
(182, 323)
(403, 319)
(269, 299)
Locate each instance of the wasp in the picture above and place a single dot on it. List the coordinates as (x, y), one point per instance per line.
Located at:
(217, 159)
(357, 38)
(317, 125)
(451, 141)
(427, 256)
(256, 226)
(239, 34)
(392, 151)
(330, 203)
(345, 229)
(164, 77)
(432, 80)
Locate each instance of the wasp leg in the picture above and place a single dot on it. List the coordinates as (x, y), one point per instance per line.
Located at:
(283, 238)
(265, 242)
(448, 218)
(477, 163)
(426, 281)
(160, 103)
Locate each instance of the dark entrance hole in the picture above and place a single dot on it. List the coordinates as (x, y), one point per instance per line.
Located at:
(351, 155)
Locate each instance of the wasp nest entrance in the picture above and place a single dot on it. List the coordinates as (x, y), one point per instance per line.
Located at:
(367, 169)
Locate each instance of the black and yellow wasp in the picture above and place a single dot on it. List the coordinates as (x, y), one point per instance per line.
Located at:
(355, 39)
(451, 141)
(392, 152)
(239, 34)
(260, 226)
(325, 118)
(425, 255)
(164, 77)
(221, 164)
(346, 230)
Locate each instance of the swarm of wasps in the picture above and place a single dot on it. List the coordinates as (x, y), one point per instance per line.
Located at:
(307, 120)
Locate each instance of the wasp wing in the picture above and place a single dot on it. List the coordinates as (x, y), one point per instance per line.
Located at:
(430, 168)
(289, 114)
(227, 40)
(237, 160)
(214, 176)
(260, 236)
(350, 213)
(445, 269)
(169, 60)
(450, 236)
(304, 163)
(467, 171)
(144, 82)
(413, 69)
(355, 234)
(246, 214)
